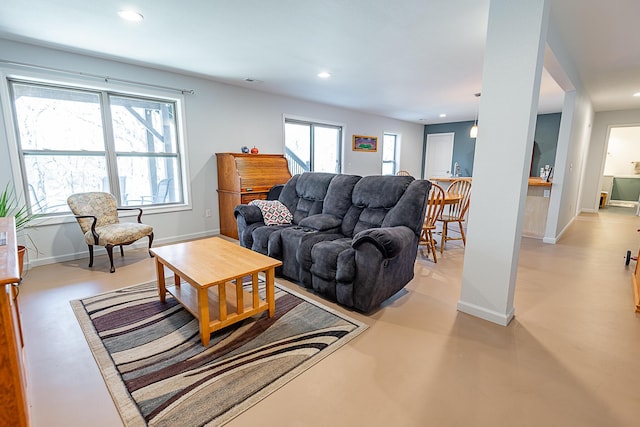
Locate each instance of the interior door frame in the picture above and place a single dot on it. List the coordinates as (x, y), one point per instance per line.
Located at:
(425, 150)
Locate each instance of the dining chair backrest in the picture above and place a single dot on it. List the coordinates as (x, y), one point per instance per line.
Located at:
(403, 173)
(435, 205)
(461, 187)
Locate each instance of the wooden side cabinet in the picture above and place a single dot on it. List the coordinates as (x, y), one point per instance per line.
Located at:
(243, 178)
(635, 280)
(13, 398)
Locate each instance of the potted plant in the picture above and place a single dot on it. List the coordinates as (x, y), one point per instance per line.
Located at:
(10, 205)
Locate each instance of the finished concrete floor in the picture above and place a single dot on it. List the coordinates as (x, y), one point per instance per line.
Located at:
(571, 356)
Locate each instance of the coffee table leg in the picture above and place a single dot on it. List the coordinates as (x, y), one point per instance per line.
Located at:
(162, 289)
(270, 291)
(203, 312)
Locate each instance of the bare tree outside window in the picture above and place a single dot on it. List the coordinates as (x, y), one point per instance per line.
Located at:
(69, 144)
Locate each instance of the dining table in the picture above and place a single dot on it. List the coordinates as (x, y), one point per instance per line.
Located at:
(451, 198)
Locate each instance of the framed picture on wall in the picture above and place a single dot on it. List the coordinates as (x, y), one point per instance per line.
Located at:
(365, 143)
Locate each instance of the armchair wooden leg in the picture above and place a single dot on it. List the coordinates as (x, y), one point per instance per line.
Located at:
(90, 255)
(121, 250)
(109, 249)
(150, 242)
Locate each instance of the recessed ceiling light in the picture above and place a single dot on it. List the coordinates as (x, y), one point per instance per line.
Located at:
(637, 94)
(324, 75)
(443, 115)
(130, 15)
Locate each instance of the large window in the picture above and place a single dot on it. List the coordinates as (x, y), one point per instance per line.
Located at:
(74, 140)
(390, 154)
(312, 146)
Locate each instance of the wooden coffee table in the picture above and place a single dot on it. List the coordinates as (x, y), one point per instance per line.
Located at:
(213, 269)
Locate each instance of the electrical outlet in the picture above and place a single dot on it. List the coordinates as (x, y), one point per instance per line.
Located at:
(547, 193)
(207, 213)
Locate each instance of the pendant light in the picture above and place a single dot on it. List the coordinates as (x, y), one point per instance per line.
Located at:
(473, 133)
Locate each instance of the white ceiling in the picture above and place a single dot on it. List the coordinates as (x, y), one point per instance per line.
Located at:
(406, 59)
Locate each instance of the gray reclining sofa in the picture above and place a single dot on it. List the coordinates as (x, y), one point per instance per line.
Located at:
(353, 239)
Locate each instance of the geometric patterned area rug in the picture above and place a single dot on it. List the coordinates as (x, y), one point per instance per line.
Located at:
(159, 374)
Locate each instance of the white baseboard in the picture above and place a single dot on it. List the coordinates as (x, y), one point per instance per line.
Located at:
(142, 243)
(554, 240)
(623, 203)
(502, 319)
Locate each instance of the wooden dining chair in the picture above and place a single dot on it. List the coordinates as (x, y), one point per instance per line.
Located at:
(403, 173)
(455, 212)
(435, 205)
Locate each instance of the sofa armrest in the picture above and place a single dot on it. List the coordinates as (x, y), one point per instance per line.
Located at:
(250, 213)
(321, 222)
(390, 241)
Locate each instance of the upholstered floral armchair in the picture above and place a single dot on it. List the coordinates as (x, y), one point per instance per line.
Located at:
(97, 215)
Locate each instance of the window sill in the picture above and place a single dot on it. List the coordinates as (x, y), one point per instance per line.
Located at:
(65, 218)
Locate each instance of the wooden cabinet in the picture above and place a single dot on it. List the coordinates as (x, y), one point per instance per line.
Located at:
(245, 177)
(13, 399)
(536, 208)
(635, 281)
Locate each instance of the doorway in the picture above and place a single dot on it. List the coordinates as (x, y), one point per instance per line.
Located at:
(620, 188)
(438, 155)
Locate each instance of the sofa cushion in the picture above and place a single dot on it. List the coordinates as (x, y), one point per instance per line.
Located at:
(339, 195)
(325, 265)
(304, 194)
(379, 191)
(405, 212)
(321, 222)
(373, 197)
(261, 237)
(325, 257)
(273, 212)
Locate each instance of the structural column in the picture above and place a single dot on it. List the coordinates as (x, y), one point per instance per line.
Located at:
(512, 70)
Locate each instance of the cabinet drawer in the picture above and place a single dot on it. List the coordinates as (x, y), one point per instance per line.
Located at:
(246, 198)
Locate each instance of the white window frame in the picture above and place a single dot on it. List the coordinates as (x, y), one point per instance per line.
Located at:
(78, 82)
(396, 152)
(320, 122)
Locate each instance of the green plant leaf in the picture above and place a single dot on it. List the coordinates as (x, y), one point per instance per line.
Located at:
(10, 205)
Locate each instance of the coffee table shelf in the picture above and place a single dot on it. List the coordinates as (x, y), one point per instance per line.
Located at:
(188, 298)
(208, 276)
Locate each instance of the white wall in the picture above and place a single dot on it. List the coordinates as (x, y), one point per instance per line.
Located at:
(623, 151)
(219, 118)
(574, 166)
(602, 123)
(575, 132)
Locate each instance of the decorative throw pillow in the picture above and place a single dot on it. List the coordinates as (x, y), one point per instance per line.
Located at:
(273, 212)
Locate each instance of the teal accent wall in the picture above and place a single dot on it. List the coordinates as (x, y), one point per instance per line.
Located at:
(627, 189)
(544, 150)
(545, 141)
